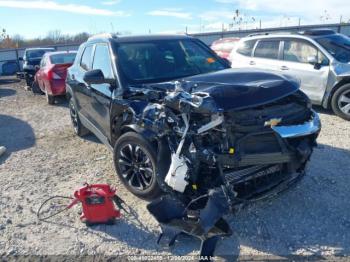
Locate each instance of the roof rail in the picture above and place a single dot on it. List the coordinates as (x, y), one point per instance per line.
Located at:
(275, 33)
(104, 35)
(324, 31)
(256, 34)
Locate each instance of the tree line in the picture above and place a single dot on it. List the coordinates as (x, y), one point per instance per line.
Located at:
(52, 38)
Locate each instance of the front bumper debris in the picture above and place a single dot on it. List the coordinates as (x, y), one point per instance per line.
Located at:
(308, 128)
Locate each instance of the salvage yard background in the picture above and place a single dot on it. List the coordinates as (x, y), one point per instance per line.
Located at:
(9, 58)
(44, 158)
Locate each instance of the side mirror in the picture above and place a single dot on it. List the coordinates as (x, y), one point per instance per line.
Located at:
(20, 58)
(95, 77)
(36, 68)
(312, 60)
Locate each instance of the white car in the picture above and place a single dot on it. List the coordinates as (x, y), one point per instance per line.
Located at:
(320, 59)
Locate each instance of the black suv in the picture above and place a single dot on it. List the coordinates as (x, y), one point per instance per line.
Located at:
(178, 120)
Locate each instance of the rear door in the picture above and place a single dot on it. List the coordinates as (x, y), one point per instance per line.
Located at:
(313, 77)
(81, 89)
(266, 55)
(101, 94)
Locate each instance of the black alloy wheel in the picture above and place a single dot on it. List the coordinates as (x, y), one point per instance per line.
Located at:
(135, 163)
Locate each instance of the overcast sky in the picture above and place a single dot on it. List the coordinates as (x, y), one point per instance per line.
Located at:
(35, 18)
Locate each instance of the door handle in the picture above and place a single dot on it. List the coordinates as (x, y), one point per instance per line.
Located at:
(73, 77)
(252, 63)
(284, 68)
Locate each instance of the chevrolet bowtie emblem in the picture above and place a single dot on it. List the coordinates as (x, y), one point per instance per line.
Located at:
(273, 122)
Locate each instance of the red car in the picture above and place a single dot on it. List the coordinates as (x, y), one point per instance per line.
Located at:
(51, 75)
(224, 46)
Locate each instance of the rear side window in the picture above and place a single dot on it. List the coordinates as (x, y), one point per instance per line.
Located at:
(245, 48)
(102, 60)
(85, 62)
(267, 49)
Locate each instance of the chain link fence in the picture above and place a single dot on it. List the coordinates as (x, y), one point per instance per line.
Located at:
(10, 64)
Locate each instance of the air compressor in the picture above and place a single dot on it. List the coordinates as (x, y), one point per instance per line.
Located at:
(98, 202)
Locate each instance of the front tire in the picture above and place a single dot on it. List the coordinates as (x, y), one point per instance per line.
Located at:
(135, 164)
(341, 102)
(78, 127)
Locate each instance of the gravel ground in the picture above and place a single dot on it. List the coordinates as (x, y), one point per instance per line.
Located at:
(44, 158)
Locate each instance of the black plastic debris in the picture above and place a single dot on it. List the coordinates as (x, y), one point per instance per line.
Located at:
(175, 218)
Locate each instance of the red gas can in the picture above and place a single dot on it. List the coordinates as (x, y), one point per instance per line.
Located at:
(98, 204)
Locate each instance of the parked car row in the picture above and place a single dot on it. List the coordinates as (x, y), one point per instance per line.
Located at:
(31, 59)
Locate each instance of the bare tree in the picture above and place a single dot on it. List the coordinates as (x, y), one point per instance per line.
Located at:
(3, 33)
(55, 35)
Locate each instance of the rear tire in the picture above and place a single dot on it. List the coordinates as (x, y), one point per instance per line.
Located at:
(135, 164)
(49, 98)
(341, 102)
(36, 89)
(78, 127)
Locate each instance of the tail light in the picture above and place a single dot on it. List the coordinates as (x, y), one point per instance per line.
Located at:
(55, 76)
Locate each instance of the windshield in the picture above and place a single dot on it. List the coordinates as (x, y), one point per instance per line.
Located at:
(162, 60)
(337, 45)
(67, 58)
(36, 54)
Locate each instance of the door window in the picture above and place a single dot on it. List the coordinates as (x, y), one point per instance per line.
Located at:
(85, 62)
(267, 49)
(102, 60)
(299, 51)
(246, 47)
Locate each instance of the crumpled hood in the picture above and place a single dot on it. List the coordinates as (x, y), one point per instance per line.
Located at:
(239, 89)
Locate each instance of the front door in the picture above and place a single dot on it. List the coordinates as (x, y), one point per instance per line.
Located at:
(101, 94)
(313, 77)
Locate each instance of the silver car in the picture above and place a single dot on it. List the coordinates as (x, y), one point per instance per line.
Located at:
(320, 59)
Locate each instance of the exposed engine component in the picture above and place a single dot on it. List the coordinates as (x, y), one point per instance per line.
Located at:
(177, 174)
(214, 155)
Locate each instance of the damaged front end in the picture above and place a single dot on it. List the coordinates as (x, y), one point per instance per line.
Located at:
(216, 152)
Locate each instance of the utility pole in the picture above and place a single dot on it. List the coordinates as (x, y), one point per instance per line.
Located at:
(112, 27)
(222, 30)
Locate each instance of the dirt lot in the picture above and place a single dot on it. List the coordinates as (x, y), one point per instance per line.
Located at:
(44, 158)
